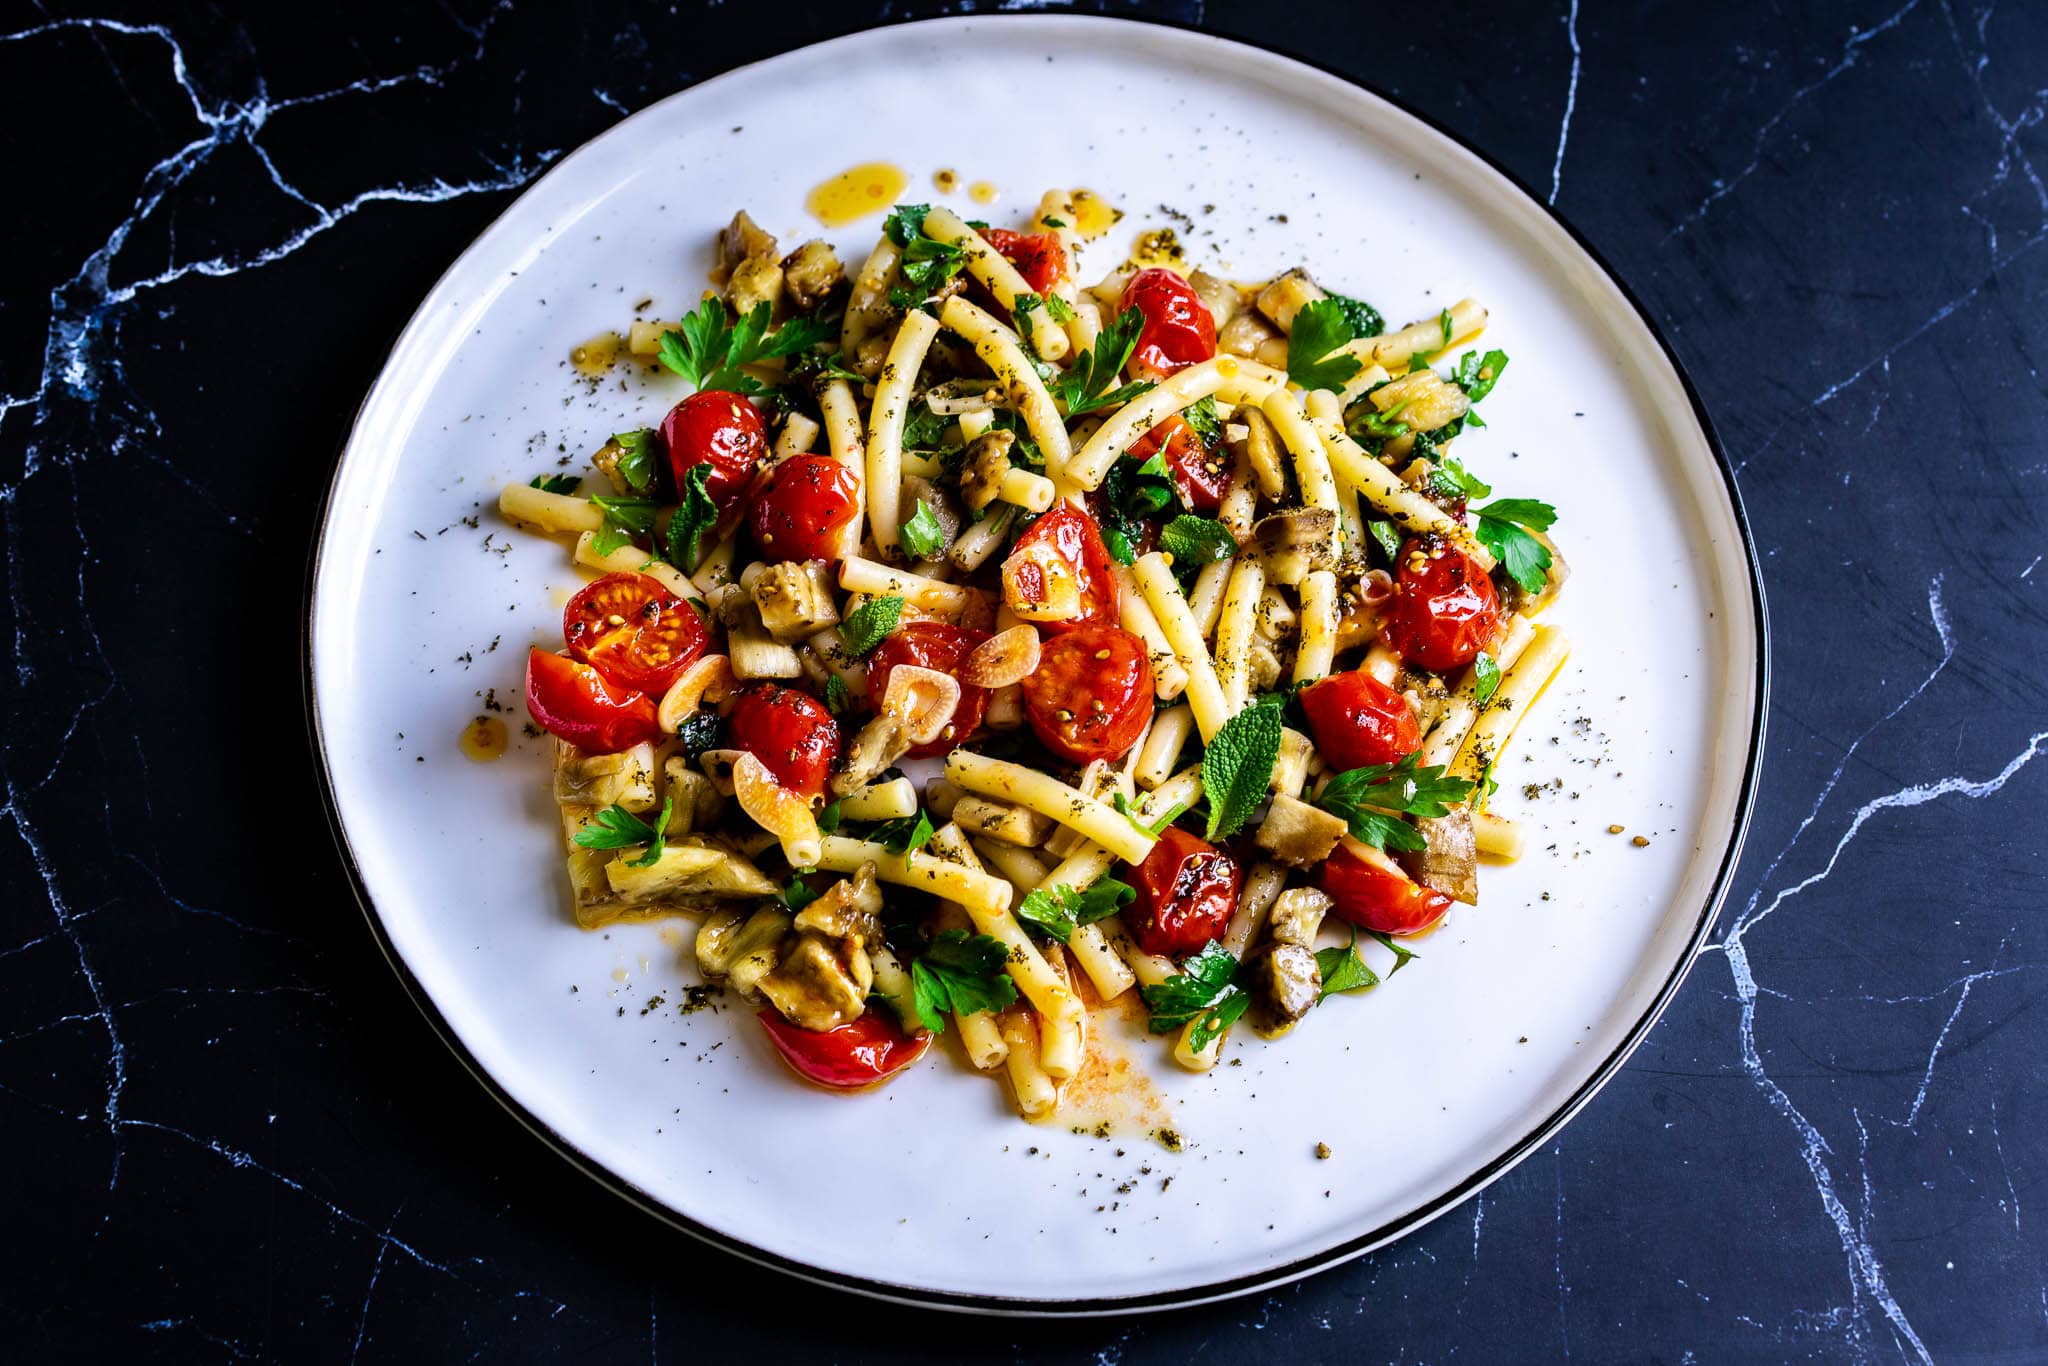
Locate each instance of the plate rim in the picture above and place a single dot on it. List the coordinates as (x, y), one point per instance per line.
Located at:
(1094, 1306)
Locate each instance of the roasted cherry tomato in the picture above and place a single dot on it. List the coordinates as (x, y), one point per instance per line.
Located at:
(1445, 609)
(1092, 693)
(858, 1053)
(1187, 889)
(1058, 575)
(1359, 720)
(633, 631)
(717, 428)
(788, 731)
(1368, 889)
(1038, 256)
(932, 645)
(1178, 331)
(1201, 476)
(804, 509)
(575, 703)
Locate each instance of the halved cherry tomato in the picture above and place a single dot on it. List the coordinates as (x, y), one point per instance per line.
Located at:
(1368, 889)
(633, 631)
(1443, 613)
(1059, 568)
(1200, 475)
(1179, 329)
(1359, 720)
(858, 1053)
(1187, 889)
(805, 509)
(1092, 693)
(576, 703)
(1038, 256)
(718, 428)
(788, 731)
(932, 645)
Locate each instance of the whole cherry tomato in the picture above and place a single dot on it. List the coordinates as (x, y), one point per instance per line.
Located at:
(805, 509)
(575, 703)
(1060, 569)
(932, 645)
(1369, 890)
(1445, 610)
(1359, 720)
(718, 428)
(1187, 889)
(788, 731)
(1179, 329)
(633, 631)
(1038, 256)
(858, 1053)
(1200, 475)
(1092, 693)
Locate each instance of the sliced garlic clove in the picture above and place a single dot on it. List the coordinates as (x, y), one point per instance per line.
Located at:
(1007, 657)
(922, 699)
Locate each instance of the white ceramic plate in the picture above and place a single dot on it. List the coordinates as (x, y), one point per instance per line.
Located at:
(931, 1191)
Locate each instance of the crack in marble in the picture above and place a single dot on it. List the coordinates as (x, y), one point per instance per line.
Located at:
(1571, 101)
(1851, 51)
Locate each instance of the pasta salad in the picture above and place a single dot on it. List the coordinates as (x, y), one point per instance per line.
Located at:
(971, 647)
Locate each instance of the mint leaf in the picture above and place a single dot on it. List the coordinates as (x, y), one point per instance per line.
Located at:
(1196, 541)
(1319, 329)
(1237, 768)
(869, 624)
(837, 696)
(922, 535)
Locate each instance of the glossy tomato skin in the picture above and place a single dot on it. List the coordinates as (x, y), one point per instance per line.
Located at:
(574, 702)
(1073, 534)
(789, 732)
(1379, 896)
(721, 429)
(1179, 329)
(1445, 611)
(635, 632)
(1201, 476)
(1187, 889)
(804, 509)
(1358, 720)
(858, 1053)
(1038, 256)
(1091, 695)
(939, 646)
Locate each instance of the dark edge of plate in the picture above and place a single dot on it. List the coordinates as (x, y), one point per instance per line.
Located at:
(1215, 1290)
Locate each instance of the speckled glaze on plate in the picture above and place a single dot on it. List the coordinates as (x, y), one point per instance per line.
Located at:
(931, 1191)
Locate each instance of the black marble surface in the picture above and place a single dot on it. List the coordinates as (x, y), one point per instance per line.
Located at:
(227, 1133)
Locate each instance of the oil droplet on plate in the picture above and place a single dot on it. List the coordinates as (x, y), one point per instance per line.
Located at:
(619, 974)
(982, 192)
(1094, 215)
(856, 193)
(483, 739)
(946, 180)
(595, 356)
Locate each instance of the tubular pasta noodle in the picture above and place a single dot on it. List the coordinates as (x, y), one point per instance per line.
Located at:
(1204, 693)
(1000, 350)
(1234, 630)
(885, 425)
(1036, 1095)
(1205, 599)
(1518, 688)
(1498, 837)
(1162, 747)
(1092, 820)
(981, 1036)
(1426, 338)
(551, 512)
(1149, 968)
(989, 266)
(1135, 614)
(630, 559)
(1461, 710)
(1409, 510)
(869, 299)
(1318, 648)
(797, 436)
(1062, 1039)
(1262, 887)
(1311, 462)
(857, 575)
(976, 545)
(1091, 463)
(880, 801)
